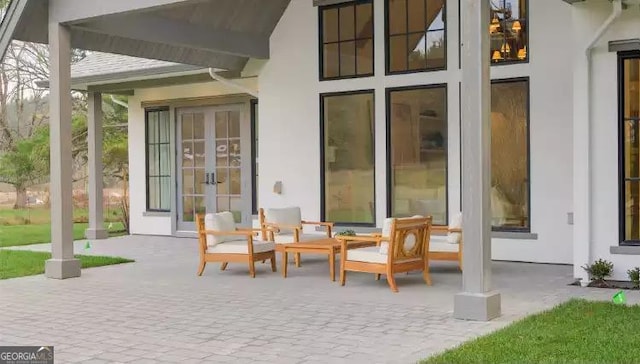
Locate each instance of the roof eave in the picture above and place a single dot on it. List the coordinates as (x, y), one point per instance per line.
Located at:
(10, 23)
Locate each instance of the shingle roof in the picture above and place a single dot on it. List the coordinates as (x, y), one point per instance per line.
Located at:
(99, 66)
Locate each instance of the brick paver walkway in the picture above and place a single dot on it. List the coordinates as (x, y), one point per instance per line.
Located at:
(158, 310)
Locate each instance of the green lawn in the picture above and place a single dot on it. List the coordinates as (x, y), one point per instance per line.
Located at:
(15, 235)
(578, 331)
(19, 263)
(39, 215)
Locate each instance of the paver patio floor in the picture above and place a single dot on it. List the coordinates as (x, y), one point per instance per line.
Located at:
(158, 310)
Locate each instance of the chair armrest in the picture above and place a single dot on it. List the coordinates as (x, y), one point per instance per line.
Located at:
(347, 238)
(277, 227)
(255, 231)
(224, 233)
(455, 230)
(440, 229)
(321, 223)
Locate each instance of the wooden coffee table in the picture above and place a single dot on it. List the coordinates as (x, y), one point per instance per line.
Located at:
(327, 246)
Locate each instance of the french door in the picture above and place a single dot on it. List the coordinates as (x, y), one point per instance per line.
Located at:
(212, 168)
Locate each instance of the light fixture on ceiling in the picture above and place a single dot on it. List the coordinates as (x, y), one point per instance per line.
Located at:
(506, 48)
(522, 53)
(495, 24)
(496, 56)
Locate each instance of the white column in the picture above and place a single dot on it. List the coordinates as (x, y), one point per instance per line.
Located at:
(62, 264)
(477, 301)
(94, 127)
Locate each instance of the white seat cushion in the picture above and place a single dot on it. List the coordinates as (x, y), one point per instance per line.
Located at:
(221, 221)
(285, 216)
(368, 255)
(288, 238)
(456, 223)
(443, 246)
(241, 247)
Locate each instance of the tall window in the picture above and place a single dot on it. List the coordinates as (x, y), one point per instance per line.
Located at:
(158, 160)
(347, 130)
(510, 155)
(629, 148)
(417, 132)
(509, 29)
(416, 35)
(346, 40)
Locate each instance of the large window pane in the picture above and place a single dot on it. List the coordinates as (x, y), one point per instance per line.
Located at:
(509, 27)
(418, 153)
(630, 124)
(510, 155)
(346, 47)
(415, 35)
(348, 158)
(158, 158)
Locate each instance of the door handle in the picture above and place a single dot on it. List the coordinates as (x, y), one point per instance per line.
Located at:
(213, 179)
(206, 178)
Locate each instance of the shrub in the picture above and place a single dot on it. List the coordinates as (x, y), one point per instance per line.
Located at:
(599, 270)
(347, 233)
(634, 276)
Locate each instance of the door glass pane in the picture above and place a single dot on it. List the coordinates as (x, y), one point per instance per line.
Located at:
(187, 154)
(198, 154)
(200, 186)
(234, 152)
(187, 126)
(187, 209)
(234, 124)
(435, 49)
(632, 210)
(222, 186)
(221, 124)
(235, 206)
(200, 205)
(234, 181)
(417, 57)
(419, 153)
(349, 158)
(398, 53)
(222, 153)
(222, 203)
(187, 181)
(198, 126)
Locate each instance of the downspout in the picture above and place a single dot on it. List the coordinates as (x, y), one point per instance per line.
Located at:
(121, 103)
(232, 84)
(615, 14)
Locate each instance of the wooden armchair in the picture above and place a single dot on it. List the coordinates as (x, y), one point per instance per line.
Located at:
(285, 226)
(220, 241)
(406, 249)
(448, 245)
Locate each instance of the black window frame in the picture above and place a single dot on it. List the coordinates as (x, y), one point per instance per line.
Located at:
(321, 43)
(514, 229)
(147, 111)
(528, 43)
(387, 43)
(322, 157)
(389, 170)
(254, 153)
(622, 56)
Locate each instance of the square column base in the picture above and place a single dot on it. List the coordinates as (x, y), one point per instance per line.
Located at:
(62, 268)
(96, 234)
(477, 306)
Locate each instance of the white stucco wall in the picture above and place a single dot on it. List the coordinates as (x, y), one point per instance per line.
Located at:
(289, 120)
(604, 136)
(141, 222)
